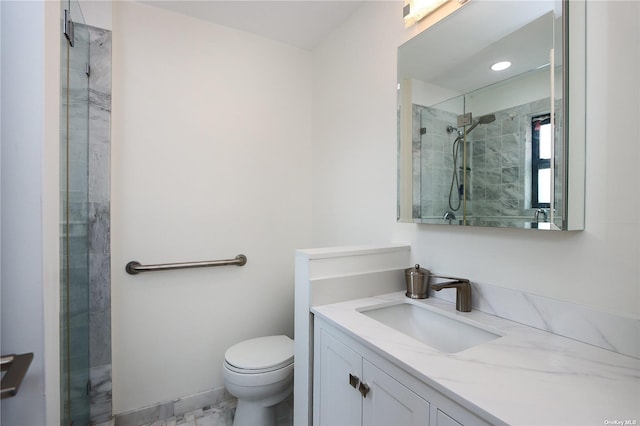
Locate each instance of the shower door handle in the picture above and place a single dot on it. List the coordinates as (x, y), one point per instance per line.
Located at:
(15, 368)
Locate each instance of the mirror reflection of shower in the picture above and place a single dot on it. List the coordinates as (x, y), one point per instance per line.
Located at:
(454, 204)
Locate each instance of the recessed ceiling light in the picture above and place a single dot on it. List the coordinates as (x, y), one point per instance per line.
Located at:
(499, 66)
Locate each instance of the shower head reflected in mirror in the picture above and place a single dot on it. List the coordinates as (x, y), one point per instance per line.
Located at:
(484, 119)
(456, 201)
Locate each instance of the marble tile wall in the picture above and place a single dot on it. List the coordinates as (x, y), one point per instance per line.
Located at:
(500, 161)
(74, 232)
(85, 235)
(498, 165)
(432, 153)
(99, 160)
(603, 329)
(85, 239)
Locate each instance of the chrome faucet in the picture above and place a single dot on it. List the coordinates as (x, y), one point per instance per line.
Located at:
(536, 215)
(463, 291)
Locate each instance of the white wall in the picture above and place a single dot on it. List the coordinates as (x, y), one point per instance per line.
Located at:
(97, 13)
(211, 132)
(354, 162)
(22, 287)
(30, 262)
(519, 91)
(354, 123)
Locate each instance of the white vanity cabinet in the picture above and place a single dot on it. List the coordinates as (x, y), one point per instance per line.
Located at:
(389, 402)
(337, 373)
(354, 386)
(351, 391)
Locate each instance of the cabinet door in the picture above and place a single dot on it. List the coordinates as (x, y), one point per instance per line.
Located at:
(443, 419)
(388, 402)
(339, 402)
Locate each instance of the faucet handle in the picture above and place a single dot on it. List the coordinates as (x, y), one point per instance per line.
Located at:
(536, 215)
(455, 279)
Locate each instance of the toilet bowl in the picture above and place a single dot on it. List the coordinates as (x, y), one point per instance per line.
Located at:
(259, 372)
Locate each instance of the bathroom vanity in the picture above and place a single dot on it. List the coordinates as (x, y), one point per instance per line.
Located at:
(366, 354)
(367, 372)
(377, 392)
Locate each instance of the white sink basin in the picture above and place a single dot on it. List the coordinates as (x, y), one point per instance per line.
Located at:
(440, 332)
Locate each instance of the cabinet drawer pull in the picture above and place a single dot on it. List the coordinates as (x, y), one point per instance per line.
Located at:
(353, 381)
(364, 389)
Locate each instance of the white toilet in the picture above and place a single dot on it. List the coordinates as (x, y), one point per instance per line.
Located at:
(259, 372)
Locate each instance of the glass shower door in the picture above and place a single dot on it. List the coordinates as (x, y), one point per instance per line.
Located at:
(74, 241)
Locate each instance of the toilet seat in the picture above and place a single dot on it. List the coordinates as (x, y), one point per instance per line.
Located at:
(260, 355)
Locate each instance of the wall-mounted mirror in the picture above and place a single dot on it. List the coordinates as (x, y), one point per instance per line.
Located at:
(479, 147)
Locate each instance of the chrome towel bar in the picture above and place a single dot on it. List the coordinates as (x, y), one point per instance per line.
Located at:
(134, 267)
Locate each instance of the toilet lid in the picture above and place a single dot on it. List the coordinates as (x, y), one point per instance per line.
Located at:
(271, 352)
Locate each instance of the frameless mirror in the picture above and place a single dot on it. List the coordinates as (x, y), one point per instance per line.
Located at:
(479, 147)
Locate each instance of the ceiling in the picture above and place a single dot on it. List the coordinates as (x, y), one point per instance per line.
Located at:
(300, 23)
(457, 52)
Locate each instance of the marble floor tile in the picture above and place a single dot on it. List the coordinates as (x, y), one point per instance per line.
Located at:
(221, 415)
(187, 420)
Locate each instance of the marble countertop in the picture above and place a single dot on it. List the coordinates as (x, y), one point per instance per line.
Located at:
(526, 377)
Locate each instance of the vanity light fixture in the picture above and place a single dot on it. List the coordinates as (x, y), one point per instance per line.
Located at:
(415, 10)
(501, 66)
